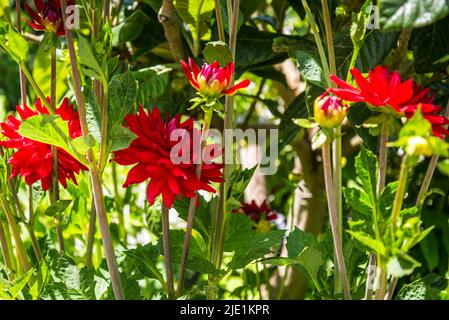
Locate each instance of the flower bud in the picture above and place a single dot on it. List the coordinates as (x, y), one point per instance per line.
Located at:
(212, 80)
(418, 146)
(329, 111)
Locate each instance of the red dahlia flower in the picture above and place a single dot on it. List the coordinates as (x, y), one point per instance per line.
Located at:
(33, 160)
(257, 213)
(48, 16)
(151, 154)
(212, 80)
(385, 89)
(262, 215)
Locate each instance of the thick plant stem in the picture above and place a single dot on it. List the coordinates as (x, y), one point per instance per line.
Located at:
(20, 248)
(383, 157)
(399, 198)
(191, 215)
(97, 190)
(333, 217)
(395, 213)
(382, 284)
(23, 89)
(220, 219)
(121, 219)
(90, 236)
(54, 189)
(221, 34)
(381, 180)
(30, 226)
(5, 248)
(167, 255)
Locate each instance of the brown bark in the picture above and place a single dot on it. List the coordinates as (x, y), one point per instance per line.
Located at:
(169, 20)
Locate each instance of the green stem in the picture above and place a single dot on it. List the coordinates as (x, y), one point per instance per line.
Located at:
(36, 87)
(104, 127)
(318, 41)
(382, 284)
(54, 188)
(5, 250)
(21, 252)
(400, 193)
(118, 202)
(94, 172)
(197, 40)
(90, 236)
(333, 217)
(167, 255)
(191, 215)
(221, 34)
(220, 223)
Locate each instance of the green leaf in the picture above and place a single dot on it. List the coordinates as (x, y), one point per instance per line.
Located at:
(122, 94)
(17, 46)
(375, 48)
(237, 183)
(121, 137)
(309, 262)
(144, 259)
(130, 28)
(19, 284)
(88, 60)
(217, 51)
(426, 288)
(70, 283)
(196, 260)
(57, 207)
(297, 241)
(403, 14)
(239, 230)
(443, 166)
(430, 248)
(359, 201)
(430, 46)
(50, 40)
(366, 169)
(255, 49)
(387, 198)
(318, 140)
(402, 265)
(4, 10)
(367, 240)
(153, 83)
(310, 69)
(202, 219)
(195, 13)
(51, 130)
(257, 247)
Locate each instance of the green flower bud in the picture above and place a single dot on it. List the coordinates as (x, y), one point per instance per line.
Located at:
(329, 111)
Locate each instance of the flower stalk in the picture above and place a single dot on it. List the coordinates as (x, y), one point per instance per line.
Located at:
(191, 215)
(94, 172)
(219, 229)
(20, 248)
(167, 255)
(333, 217)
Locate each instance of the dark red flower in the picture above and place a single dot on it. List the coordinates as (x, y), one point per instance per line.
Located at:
(212, 80)
(257, 213)
(151, 153)
(385, 89)
(33, 160)
(48, 16)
